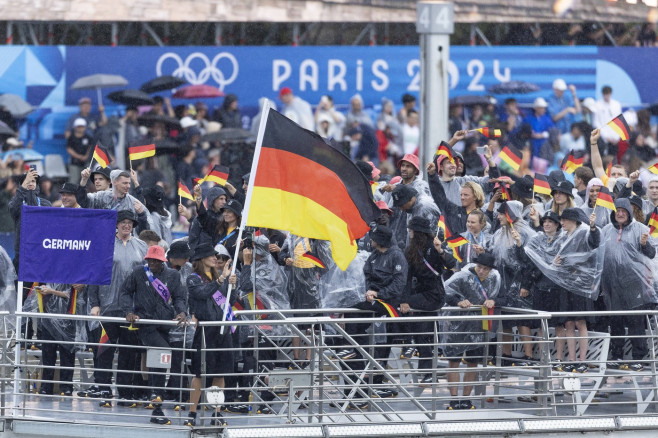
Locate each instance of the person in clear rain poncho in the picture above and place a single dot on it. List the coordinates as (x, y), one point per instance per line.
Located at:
(602, 214)
(513, 231)
(628, 281)
(477, 284)
(570, 264)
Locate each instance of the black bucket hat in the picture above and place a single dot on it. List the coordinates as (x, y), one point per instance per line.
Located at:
(179, 250)
(382, 235)
(234, 206)
(69, 188)
(523, 187)
(202, 251)
(126, 214)
(420, 224)
(551, 215)
(575, 214)
(485, 259)
(402, 194)
(563, 187)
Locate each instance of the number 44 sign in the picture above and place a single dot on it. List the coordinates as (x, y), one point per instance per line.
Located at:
(435, 17)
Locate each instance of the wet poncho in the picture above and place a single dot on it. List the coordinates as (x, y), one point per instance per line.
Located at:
(304, 276)
(270, 277)
(581, 259)
(60, 329)
(509, 262)
(629, 273)
(465, 285)
(602, 213)
(345, 288)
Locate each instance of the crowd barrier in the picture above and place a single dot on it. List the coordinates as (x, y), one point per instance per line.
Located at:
(374, 392)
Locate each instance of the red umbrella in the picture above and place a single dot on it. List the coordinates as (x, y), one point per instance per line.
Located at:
(198, 92)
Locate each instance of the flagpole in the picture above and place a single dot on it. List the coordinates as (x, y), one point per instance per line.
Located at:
(247, 202)
(91, 161)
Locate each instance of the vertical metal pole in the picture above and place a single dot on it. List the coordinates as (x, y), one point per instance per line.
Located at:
(51, 34)
(18, 370)
(10, 33)
(115, 35)
(373, 36)
(295, 34)
(218, 34)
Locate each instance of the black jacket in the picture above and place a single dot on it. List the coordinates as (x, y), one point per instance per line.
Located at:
(202, 304)
(386, 274)
(138, 296)
(27, 197)
(420, 279)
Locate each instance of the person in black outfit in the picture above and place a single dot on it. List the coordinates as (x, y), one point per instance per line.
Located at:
(229, 114)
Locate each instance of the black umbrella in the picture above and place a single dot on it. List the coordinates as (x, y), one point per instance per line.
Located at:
(130, 97)
(514, 87)
(228, 135)
(473, 100)
(149, 119)
(5, 130)
(162, 83)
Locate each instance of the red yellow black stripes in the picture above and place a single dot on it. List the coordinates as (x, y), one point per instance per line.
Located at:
(455, 243)
(184, 192)
(446, 152)
(619, 125)
(139, 152)
(572, 162)
(653, 169)
(653, 223)
(313, 259)
(511, 156)
(604, 199)
(390, 309)
(490, 133)
(101, 157)
(218, 175)
(541, 184)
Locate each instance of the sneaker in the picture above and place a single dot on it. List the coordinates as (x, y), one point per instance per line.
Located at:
(466, 404)
(105, 404)
(557, 365)
(454, 405)
(358, 405)
(191, 420)
(153, 401)
(525, 361)
(92, 392)
(346, 354)
(264, 410)
(384, 393)
(218, 420)
(43, 391)
(158, 417)
(127, 403)
(427, 380)
(616, 365)
(580, 368)
(408, 353)
(66, 393)
(637, 366)
(567, 367)
(237, 409)
(179, 407)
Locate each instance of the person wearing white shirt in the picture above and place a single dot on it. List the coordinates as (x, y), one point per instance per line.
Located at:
(411, 133)
(607, 109)
(572, 140)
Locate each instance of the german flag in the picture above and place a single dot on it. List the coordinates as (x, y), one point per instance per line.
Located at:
(139, 152)
(619, 125)
(390, 309)
(653, 223)
(313, 259)
(455, 243)
(653, 169)
(198, 181)
(490, 133)
(104, 339)
(101, 157)
(487, 324)
(605, 199)
(572, 162)
(40, 300)
(310, 188)
(184, 192)
(511, 156)
(218, 175)
(605, 178)
(374, 186)
(73, 301)
(541, 184)
(442, 226)
(504, 194)
(509, 214)
(446, 152)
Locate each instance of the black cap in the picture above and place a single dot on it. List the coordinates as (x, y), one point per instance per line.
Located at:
(420, 224)
(69, 188)
(234, 206)
(485, 259)
(154, 195)
(202, 251)
(523, 187)
(563, 187)
(551, 215)
(575, 214)
(102, 171)
(179, 250)
(365, 168)
(555, 177)
(402, 194)
(126, 214)
(245, 177)
(382, 235)
(636, 201)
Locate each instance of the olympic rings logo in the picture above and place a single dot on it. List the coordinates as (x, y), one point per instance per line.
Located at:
(185, 71)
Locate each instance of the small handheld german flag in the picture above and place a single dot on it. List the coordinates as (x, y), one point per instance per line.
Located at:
(509, 214)
(73, 301)
(455, 243)
(184, 192)
(653, 169)
(487, 324)
(541, 185)
(619, 125)
(605, 178)
(313, 259)
(139, 152)
(605, 199)
(490, 133)
(218, 175)
(653, 223)
(511, 156)
(389, 309)
(504, 194)
(104, 339)
(572, 162)
(442, 226)
(101, 157)
(446, 152)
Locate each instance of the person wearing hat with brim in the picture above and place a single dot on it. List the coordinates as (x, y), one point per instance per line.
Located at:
(203, 284)
(67, 192)
(154, 199)
(563, 197)
(563, 107)
(383, 219)
(409, 166)
(408, 203)
(541, 123)
(79, 148)
(635, 187)
(445, 171)
(626, 281)
(475, 287)
(154, 291)
(178, 258)
(93, 121)
(424, 291)
(101, 178)
(103, 300)
(216, 199)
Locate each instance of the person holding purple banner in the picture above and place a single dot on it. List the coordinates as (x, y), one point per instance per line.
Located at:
(154, 291)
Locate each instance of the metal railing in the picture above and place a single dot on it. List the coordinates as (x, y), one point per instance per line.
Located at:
(288, 372)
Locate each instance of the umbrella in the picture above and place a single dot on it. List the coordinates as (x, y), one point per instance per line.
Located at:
(6, 130)
(24, 153)
(130, 97)
(473, 100)
(15, 104)
(166, 145)
(150, 119)
(513, 87)
(99, 81)
(162, 83)
(198, 92)
(227, 134)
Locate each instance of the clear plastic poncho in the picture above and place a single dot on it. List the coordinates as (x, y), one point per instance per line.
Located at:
(7, 287)
(629, 277)
(465, 335)
(61, 329)
(345, 288)
(579, 266)
(304, 282)
(270, 277)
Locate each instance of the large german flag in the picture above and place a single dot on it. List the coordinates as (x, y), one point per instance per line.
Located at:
(619, 125)
(302, 184)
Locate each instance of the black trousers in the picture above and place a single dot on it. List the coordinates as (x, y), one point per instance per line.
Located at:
(636, 327)
(49, 358)
(422, 332)
(156, 336)
(127, 358)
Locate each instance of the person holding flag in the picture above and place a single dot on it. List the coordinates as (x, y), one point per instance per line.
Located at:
(216, 199)
(628, 282)
(154, 291)
(594, 187)
(477, 239)
(514, 232)
(207, 289)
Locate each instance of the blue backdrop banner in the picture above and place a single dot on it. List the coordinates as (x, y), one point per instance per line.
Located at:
(67, 245)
